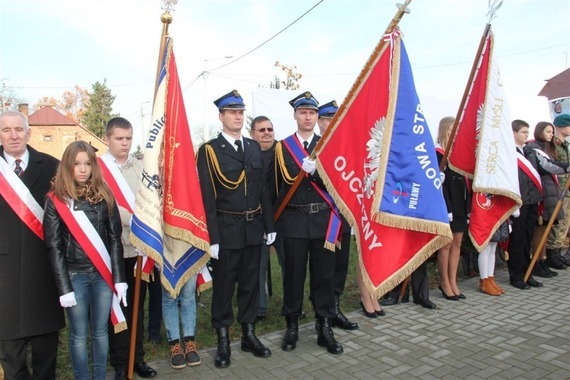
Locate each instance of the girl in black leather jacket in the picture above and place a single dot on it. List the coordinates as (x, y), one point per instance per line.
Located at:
(82, 230)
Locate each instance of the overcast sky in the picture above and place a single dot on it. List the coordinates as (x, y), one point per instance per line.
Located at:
(47, 47)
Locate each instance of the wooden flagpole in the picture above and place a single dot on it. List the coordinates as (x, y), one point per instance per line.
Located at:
(402, 9)
(166, 19)
(538, 249)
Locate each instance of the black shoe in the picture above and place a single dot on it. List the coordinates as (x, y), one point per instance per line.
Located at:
(449, 298)
(380, 312)
(121, 374)
(144, 370)
(260, 318)
(250, 343)
(533, 283)
(461, 296)
(520, 285)
(223, 358)
(541, 270)
(291, 336)
(339, 319)
(155, 339)
(326, 338)
(388, 301)
(368, 313)
(555, 262)
(426, 303)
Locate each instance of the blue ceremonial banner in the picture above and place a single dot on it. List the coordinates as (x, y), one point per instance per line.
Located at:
(410, 186)
(169, 222)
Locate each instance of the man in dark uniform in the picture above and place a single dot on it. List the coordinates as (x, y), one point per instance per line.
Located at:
(326, 114)
(30, 310)
(305, 227)
(239, 213)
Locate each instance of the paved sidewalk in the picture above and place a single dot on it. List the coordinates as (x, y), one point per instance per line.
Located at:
(523, 334)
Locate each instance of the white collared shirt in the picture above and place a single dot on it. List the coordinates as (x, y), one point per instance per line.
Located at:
(232, 141)
(25, 159)
(310, 140)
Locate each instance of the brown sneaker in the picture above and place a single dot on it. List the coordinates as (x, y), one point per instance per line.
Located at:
(191, 354)
(177, 359)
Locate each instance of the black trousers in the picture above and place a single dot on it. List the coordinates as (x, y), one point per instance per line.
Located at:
(241, 267)
(520, 242)
(297, 253)
(44, 354)
(154, 304)
(119, 343)
(420, 284)
(341, 264)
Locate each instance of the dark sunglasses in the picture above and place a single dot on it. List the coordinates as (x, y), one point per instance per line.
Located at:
(262, 130)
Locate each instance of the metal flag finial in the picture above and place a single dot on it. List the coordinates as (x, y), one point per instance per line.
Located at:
(168, 5)
(494, 5)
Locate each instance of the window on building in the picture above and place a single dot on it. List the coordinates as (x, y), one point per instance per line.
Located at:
(47, 138)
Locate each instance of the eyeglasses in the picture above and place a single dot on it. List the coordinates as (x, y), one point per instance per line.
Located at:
(262, 130)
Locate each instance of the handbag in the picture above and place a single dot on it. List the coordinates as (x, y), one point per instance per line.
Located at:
(501, 234)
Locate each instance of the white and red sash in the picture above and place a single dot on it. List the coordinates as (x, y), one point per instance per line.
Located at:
(124, 196)
(527, 168)
(88, 238)
(20, 199)
(121, 189)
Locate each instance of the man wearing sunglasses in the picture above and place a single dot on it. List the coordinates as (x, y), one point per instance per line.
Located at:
(261, 130)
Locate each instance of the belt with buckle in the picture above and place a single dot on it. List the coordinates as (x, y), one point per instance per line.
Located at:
(247, 215)
(311, 208)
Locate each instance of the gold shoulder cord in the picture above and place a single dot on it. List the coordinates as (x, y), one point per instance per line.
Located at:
(222, 179)
(281, 164)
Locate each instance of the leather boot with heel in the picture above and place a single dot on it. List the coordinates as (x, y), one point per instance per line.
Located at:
(250, 342)
(291, 334)
(224, 351)
(326, 338)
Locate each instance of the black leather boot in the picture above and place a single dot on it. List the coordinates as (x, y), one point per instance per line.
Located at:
(326, 338)
(339, 319)
(224, 350)
(291, 334)
(250, 343)
(554, 259)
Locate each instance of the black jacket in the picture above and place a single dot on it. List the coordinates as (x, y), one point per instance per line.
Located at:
(220, 195)
(296, 224)
(67, 256)
(29, 304)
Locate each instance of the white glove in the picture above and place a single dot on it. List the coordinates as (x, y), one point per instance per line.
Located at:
(214, 251)
(510, 229)
(450, 216)
(309, 166)
(271, 238)
(121, 289)
(442, 177)
(517, 213)
(67, 300)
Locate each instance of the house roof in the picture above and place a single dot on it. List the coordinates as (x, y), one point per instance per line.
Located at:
(49, 116)
(557, 87)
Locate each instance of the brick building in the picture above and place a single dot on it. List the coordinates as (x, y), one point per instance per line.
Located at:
(52, 132)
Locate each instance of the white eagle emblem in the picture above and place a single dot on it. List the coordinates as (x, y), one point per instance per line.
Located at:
(374, 149)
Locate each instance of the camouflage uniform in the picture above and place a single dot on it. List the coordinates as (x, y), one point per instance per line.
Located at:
(557, 236)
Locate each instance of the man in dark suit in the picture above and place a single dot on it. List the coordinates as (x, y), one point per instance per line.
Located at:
(30, 310)
(305, 226)
(239, 214)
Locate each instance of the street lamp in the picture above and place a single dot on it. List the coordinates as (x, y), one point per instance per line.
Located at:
(205, 77)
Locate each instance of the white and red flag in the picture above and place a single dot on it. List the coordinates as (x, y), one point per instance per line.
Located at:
(379, 164)
(484, 149)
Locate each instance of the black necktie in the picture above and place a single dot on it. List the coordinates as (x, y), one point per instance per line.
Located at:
(18, 169)
(306, 145)
(239, 149)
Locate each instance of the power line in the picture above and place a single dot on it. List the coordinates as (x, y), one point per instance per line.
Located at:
(255, 48)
